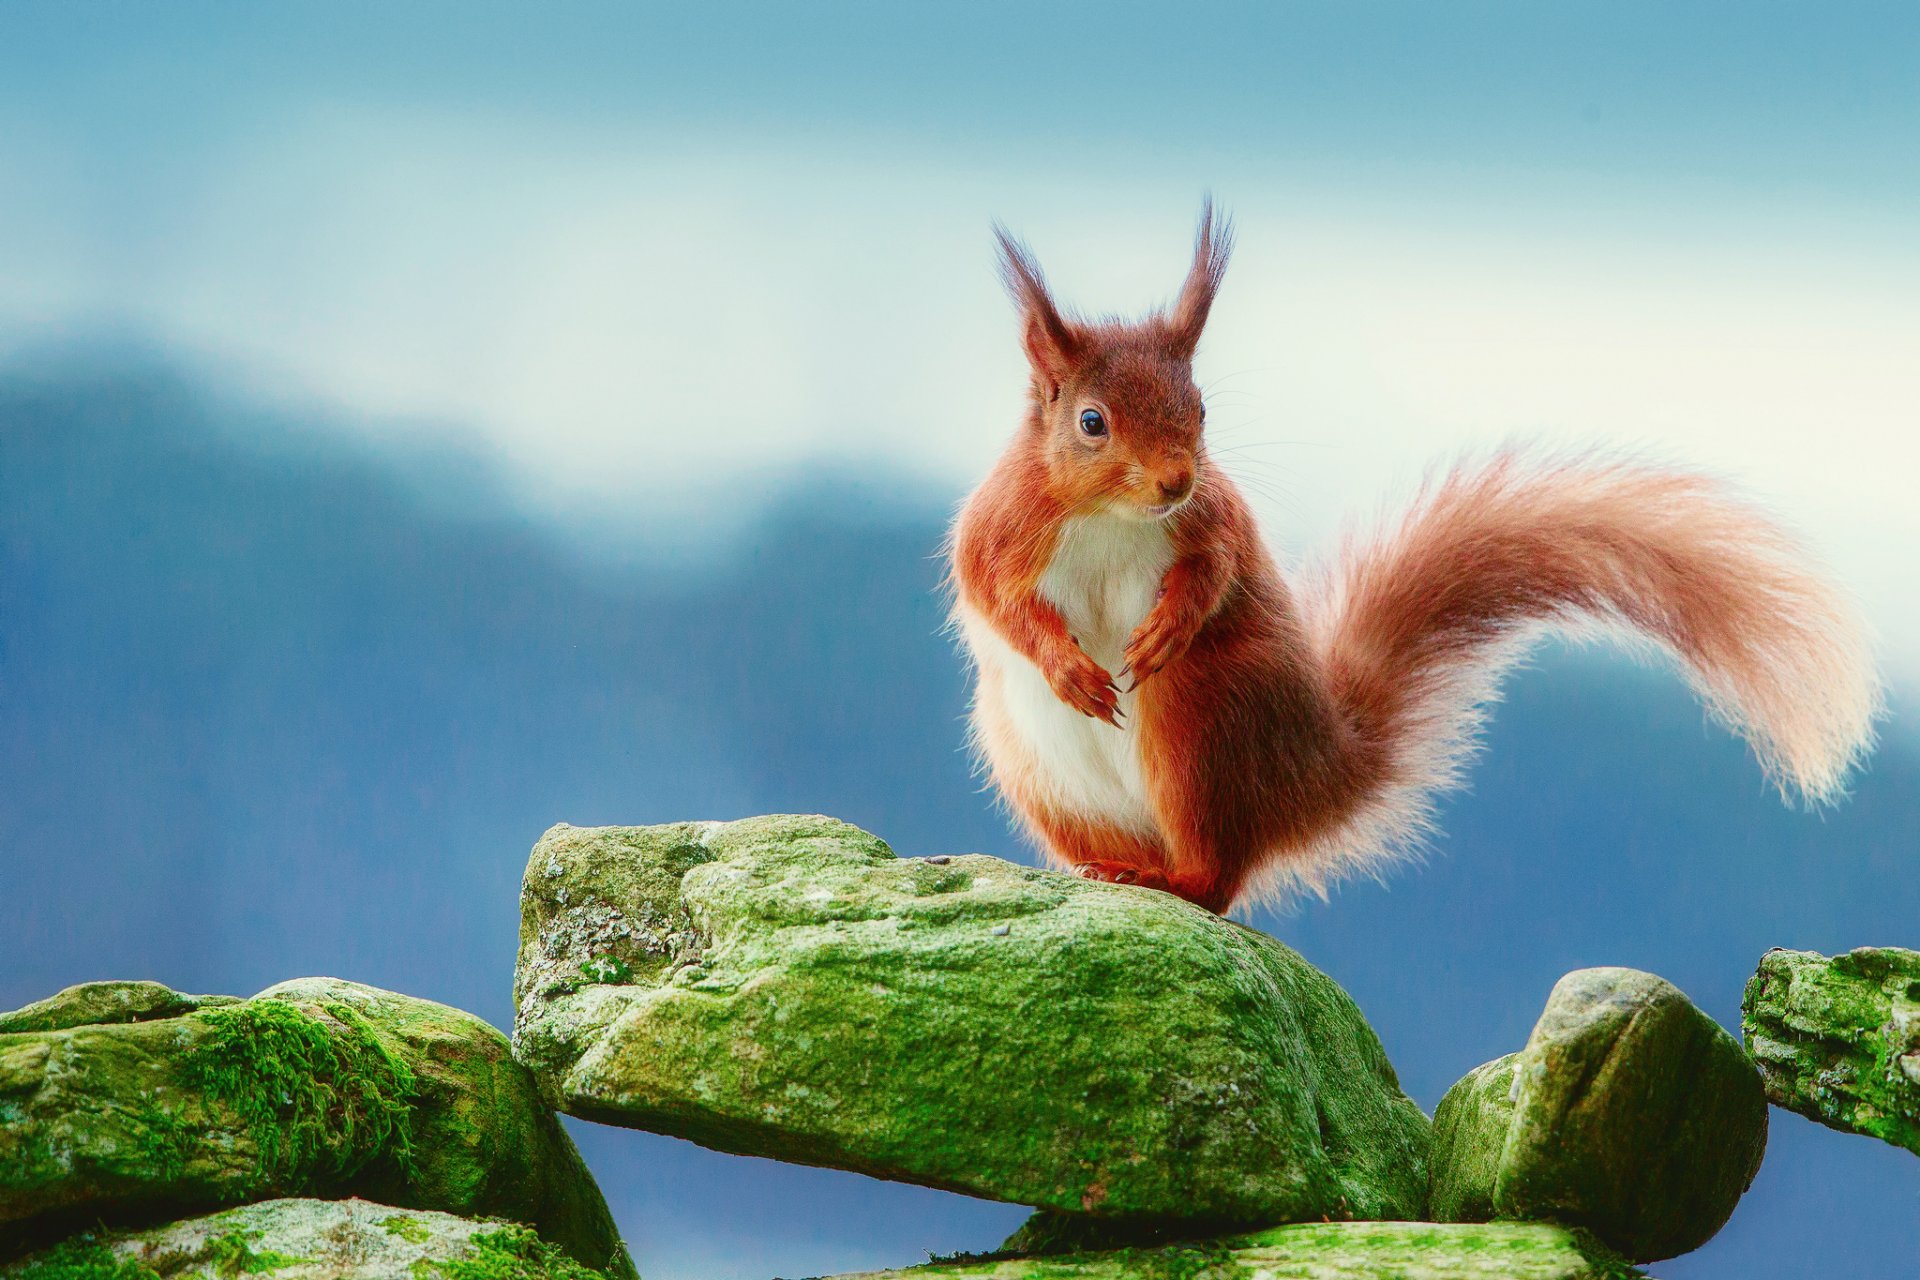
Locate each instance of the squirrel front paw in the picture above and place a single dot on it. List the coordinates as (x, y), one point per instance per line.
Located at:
(1084, 685)
(1162, 637)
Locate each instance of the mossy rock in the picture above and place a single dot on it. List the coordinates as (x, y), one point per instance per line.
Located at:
(101, 1004)
(1838, 1039)
(314, 1087)
(1323, 1251)
(1629, 1113)
(309, 1240)
(1469, 1138)
(787, 987)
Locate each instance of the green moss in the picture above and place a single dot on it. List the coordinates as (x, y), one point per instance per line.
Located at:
(162, 1141)
(1049, 1232)
(82, 1258)
(1469, 1138)
(315, 1098)
(1837, 1038)
(511, 1253)
(232, 1255)
(1429, 1251)
(1181, 1262)
(1321, 1251)
(412, 1230)
(606, 969)
(813, 998)
(316, 1087)
(94, 1004)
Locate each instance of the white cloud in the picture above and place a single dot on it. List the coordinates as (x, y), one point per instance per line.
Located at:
(663, 327)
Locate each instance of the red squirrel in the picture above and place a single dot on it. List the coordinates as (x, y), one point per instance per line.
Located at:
(1269, 737)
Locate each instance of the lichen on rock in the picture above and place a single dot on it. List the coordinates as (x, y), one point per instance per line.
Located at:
(787, 987)
(1838, 1039)
(304, 1239)
(1630, 1113)
(313, 1087)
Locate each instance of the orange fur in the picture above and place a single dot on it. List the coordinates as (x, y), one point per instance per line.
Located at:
(1270, 742)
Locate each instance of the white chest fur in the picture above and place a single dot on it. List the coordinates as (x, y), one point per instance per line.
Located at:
(1104, 577)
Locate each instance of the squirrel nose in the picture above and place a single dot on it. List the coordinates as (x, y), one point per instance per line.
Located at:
(1176, 486)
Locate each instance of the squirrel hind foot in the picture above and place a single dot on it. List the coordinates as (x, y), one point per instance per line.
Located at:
(1122, 873)
(1206, 896)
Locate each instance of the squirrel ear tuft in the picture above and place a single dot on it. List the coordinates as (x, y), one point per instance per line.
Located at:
(1053, 348)
(1212, 246)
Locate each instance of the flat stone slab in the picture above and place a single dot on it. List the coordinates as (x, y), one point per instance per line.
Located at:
(173, 1104)
(1630, 1113)
(787, 987)
(1838, 1039)
(1325, 1251)
(309, 1240)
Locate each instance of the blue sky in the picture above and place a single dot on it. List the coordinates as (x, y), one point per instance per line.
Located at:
(1708, 91)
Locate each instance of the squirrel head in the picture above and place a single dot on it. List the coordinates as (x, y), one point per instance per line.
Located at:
(1115, 412)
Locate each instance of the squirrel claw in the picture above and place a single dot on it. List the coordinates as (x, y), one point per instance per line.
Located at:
(1078, 681)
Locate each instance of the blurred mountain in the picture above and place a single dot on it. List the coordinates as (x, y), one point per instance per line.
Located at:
(275, 703)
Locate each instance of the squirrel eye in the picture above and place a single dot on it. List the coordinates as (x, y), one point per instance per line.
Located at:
(1091, 423)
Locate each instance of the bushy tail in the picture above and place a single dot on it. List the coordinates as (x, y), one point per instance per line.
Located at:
(1417, 624)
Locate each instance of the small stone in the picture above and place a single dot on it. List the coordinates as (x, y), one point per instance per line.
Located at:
(1002, 930)
(1838, 1039)
(1630, 1113)
(938, 859)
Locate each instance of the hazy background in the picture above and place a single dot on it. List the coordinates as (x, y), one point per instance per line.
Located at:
(422, 425)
